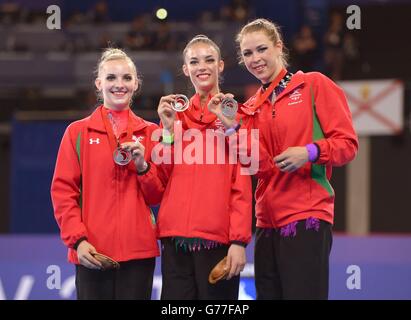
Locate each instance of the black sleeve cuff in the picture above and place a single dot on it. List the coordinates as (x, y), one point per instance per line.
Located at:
(240, 243)
(78, 242)
(140, 173)
(318, 152)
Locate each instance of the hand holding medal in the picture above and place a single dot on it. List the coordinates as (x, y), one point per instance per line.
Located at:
(133, 151)
(180, 103)
(166, 111)
(224, 104)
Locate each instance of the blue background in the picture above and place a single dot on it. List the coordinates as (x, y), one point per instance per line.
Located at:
(384, 263)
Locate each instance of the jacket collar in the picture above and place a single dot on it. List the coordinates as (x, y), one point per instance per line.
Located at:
(196, 110)
(96, 121)
(296, 81)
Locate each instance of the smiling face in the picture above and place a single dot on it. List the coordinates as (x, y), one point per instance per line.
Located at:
(261, 56)
(117, 80)
(203, 65)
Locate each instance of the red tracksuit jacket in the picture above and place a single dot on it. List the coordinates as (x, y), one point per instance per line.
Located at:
(208, 201)
(312, 108)
(100, 200)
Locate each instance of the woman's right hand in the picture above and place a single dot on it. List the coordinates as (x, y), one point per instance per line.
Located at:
(85, 257)
(166, 113)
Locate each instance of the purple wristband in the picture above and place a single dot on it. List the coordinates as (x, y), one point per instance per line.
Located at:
(312, 152)
(233, 129)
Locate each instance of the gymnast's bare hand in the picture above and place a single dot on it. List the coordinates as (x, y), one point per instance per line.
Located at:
(166, 113)
(85, 257)
(236, 260)
(291, 159)
(137, 150)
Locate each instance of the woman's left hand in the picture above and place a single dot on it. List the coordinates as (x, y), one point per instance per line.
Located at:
(137, 152)
(291, 159)
(236, 260)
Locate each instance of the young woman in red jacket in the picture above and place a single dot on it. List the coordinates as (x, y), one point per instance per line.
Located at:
(205, 213)
(305, 128)
(99, 201)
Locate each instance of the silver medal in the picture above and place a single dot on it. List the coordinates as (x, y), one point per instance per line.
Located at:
(181, 103)
(122, 157)
(229, 107)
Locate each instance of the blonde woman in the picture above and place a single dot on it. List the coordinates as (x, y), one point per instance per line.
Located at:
(305, 129)
(98, 199)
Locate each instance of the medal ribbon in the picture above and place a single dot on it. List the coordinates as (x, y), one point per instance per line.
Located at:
(262, 97)
(114, 142)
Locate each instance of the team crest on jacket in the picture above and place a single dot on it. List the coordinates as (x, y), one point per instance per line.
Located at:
(139, 138)
(295, 97)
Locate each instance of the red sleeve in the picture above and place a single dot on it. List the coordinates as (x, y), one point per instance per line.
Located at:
(65, 190)
(154, 181)
(339, 144)
(166, 166)
(151, 185)
(240, 207)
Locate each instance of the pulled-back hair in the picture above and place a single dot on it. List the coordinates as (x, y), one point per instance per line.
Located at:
(110, 54)
(200, 38)
(272, 31)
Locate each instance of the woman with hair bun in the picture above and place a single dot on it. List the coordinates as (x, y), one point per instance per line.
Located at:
(205, 213)
(99, 197)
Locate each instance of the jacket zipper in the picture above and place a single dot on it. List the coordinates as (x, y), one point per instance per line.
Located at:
(118, 216)
(202, 113)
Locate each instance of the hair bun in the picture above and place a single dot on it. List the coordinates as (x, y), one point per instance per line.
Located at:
(200, 36)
